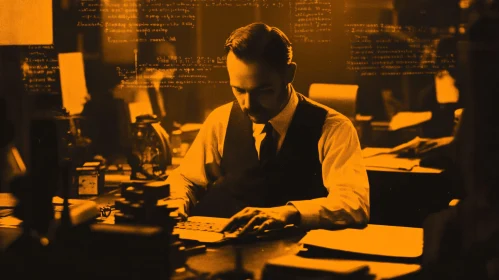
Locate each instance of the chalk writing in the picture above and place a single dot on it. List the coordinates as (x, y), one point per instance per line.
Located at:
(187, 70)
(40, 68)
(387, 50)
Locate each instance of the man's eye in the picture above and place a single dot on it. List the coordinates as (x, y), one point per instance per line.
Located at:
(239, 90)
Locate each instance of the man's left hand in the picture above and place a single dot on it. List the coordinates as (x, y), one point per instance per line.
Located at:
(257, 220)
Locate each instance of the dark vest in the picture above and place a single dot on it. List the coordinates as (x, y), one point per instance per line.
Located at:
(295, 174)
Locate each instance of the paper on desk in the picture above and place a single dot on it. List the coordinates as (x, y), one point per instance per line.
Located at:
(370, 151)
(408, 119)
(382, 270)
(380, 240)
(9, 222)
(414, 143)
(391, 161)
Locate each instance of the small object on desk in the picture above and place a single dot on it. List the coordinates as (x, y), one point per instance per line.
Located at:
(151, 149)
(90, 178)
(80, 210)
(140, 204)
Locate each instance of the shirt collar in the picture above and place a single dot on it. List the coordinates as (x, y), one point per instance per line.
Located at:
(281, 121)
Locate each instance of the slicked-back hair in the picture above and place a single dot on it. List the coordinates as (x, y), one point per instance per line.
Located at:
(258, 41)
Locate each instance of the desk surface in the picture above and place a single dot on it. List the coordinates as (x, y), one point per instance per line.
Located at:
(378, 159)
(222, 258)
(255, 255)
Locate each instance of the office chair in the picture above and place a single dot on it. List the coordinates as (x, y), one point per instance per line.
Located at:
(340, 97)
(343, 98)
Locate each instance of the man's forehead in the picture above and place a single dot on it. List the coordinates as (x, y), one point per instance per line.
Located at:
(251, 82)
(248, 74)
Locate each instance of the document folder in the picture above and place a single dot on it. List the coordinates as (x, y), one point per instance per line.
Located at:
(375, 242)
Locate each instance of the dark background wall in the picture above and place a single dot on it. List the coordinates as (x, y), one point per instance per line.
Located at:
(317, 63)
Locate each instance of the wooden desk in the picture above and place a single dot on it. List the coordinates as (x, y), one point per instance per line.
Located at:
(220, 258)
(402, 193)
(255, 255)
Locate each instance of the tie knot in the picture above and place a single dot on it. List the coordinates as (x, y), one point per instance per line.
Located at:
(268, 128)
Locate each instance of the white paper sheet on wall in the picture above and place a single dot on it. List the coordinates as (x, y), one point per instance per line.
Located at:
(26, 22)
(73, 83)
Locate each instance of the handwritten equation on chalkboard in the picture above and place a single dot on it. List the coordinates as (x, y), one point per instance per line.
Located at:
(312, 21)
(390, 50)
(181, 71)
(159, 20)
(40, 68)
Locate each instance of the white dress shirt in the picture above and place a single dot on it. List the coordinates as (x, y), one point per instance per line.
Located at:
(343, 172)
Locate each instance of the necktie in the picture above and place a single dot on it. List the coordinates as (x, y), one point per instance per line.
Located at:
(268, 147)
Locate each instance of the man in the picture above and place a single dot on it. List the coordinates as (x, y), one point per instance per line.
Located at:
(272, 157)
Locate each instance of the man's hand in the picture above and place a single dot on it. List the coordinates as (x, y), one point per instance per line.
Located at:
(257, 220)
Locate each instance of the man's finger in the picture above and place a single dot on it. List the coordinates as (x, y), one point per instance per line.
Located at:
(255, 221)
(240, 218)
(268, 224)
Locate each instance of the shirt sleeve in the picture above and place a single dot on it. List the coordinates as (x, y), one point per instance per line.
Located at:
(201, 164)
(345, 177)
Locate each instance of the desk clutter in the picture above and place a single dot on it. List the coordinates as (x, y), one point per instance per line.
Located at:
(139, 243)
(138, 204)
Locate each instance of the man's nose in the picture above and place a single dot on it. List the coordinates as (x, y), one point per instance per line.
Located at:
(246, 101)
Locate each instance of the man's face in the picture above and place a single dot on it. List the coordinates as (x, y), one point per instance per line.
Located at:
(259, 89)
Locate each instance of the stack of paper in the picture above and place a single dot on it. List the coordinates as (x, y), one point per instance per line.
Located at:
(355, 249)
(380, 240)
(408, 119)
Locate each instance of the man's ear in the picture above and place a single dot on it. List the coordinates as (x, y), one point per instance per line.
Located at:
(290, 72)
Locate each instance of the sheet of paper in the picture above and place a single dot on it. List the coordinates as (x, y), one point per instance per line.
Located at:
(391, 161)
(26, 22)
(391, 241)
(408, 119)
(370, 152)
(446, 88)
(9, 222)
(73, 83)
